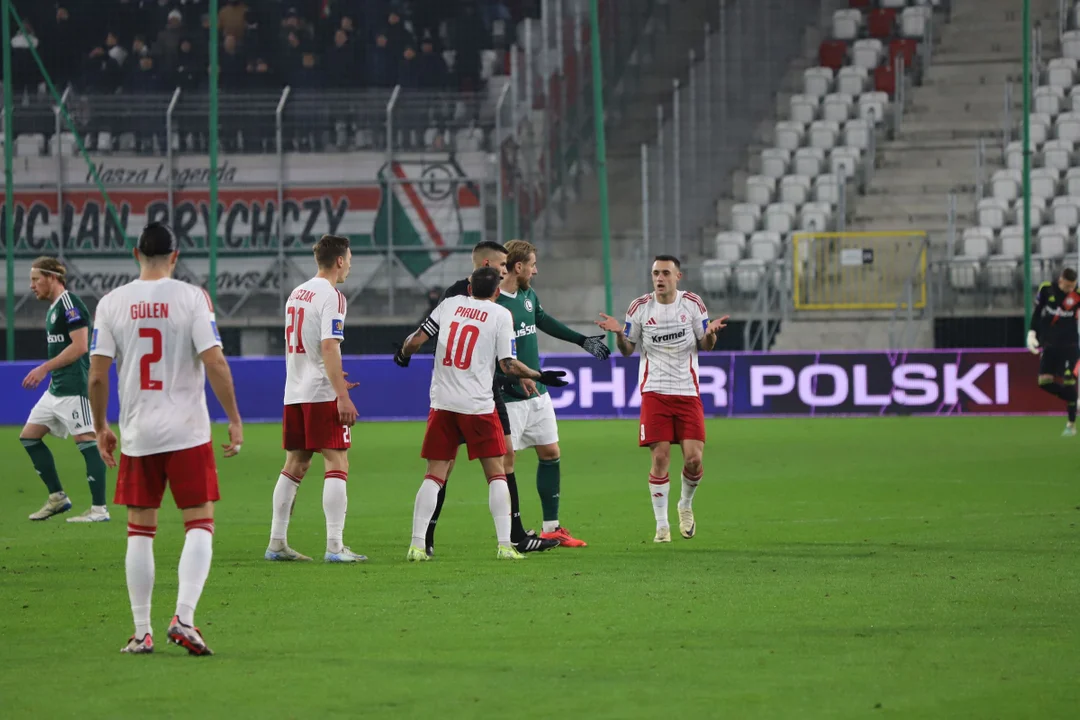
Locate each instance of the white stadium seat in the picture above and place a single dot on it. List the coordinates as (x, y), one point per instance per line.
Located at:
(817, 81)
(1044, 183)
(844, 161)
(760, 189)
(748, 276)
(824, 134)
(716, 276)
(729, 252)
(992, 213)
(976, 244)
(914, 21)
(789, 135)
(1052, 241)
(745, 217)
(852, 80)
(1001, 272)
(809, 162)
(795, 189)
(1070, 44)
(731, 237)
(1065, 211)
(815, 216)
(775, 162)
(836, 107)
(846, 24)
(1067, 126)
(764, 245)
(964, 273)
(857, 133)
(827, 189)
(1049, 100)
(1057, 154)
(804, 108)
(1005, 184)
(1014, 156)
(30, 145)
(779, 217)
(1011, 242)
(872, 106)
(1061, 73)
(1072, 182)
(866, 54)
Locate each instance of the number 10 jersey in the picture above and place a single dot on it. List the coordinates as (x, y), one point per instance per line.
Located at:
(156, 330)
(472, 336)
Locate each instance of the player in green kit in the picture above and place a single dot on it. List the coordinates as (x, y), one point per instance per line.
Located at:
(64, 408)
(532, 419)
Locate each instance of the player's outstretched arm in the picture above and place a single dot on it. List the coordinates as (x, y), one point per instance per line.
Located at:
(551, 378)
(708, 341)
(410, 347)
(612, 325)
(98, 391)
(221, 382)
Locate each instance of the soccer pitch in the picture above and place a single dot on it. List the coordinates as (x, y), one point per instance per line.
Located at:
(893, 567)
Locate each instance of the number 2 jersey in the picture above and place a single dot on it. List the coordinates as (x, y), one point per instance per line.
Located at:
(315, 311)
(156, 330)
(473, 335)
(667, 337)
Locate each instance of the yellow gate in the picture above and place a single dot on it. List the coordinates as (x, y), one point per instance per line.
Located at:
(859, 270)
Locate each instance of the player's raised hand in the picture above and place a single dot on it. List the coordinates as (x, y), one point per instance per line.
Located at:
(349, 385)
(606, 322)
(553, 378)
(34, 377)
(236, 439)
(596, 347)
(106, 443)
(716, 325)
(346, 411)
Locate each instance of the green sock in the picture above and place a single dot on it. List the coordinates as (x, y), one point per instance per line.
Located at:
(95, 471)
(42, 458)
(547, 484)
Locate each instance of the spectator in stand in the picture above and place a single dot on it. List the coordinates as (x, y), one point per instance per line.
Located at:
(114, 49)
(396, 33)
(156, 14)
(382, 64)
(433, 70)
(342, 63)
(290, 56)
(61, 52)
(24, 73)
(190, 70)
(139, 46)
(233, 64)
(307, 76)
(167, 45)
(470, 39)
(144, 79)
(309, 115)
(232, 19)
(124, 17)
(101, 73)
(409, 69)
(259, 130)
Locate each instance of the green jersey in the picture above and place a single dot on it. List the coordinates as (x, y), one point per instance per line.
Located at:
(529, 316)
(64, 317)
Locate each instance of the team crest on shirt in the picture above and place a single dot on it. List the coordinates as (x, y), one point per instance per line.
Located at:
(72, 314)
(528, 305)
(1069, 301)
(52, 318)
(682, 318)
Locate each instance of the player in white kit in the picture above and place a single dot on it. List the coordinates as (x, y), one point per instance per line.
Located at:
(473, 334)
(164, 339)
(671, 326)
(318, 412)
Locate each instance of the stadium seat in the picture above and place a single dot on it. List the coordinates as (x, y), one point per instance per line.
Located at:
(1016, 212)
(824, 134)
(29, 145)
(1049, 100)
(745, 218)
(1044, 184)
(731, 237)
(815, 216)
(977, 243)
(857, 134)
(1001, 272)
(1061, 73)
(764, 245)
(1041, 125)
(795, 189)
(1067, 126)
(881, 23)
(872, 106)
(866, 54)
(775, 162)
(827, 189)
(1005, 184)
(760, 190)
(832, 54)
(1057, 154)
(914, 21)
(809, 162)
(716, 276)
(104, 141)
(1011, 242)
(964, 273)
(905, 48)
(837, 108)
(1065, 212)
(885, 80)
(817, 81)
(1014, 156)
(846, 24)
(804, 108)
(63, 144)
(779, 217)
(729, 252)
(844, 161)
(852, 80)
(789, 135)
(992, 213)
(1070, 44)
(748, 276)
(1052, 241)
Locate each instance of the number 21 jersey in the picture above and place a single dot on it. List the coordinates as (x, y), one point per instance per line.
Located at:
(156, 330)
(314, 312)
(473, 335)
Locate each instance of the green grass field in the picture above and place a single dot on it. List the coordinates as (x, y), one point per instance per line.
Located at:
(842, 569)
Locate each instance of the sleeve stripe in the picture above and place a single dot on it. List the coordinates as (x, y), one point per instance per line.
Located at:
(637, 304)
(696, 300)
(65, 299)
(207, 296)
(340, 301)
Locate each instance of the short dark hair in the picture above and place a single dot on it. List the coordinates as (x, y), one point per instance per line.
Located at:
(489, 245)
(668, 258)
(1068, 275)
(329, 249)
(483, 282)
(157, 239)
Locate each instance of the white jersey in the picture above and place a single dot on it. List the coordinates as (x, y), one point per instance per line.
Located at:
(667, 336)
(156, 330)
(314, 312)
(473, 336)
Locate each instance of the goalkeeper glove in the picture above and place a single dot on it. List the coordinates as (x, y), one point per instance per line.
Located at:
(399, 356)
(553, 378)
(596, 347)
(1032, 342)
(511, 386)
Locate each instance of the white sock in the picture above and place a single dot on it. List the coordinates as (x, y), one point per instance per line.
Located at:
(100, 508)
(689, 487)
(658, 488)
(427, 497)
(284, 497)
(499, 505)
(139, 566)
(335, 501)
(550, 526)
(194, 567)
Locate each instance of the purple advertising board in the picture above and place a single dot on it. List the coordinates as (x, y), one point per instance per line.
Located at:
(923, 382)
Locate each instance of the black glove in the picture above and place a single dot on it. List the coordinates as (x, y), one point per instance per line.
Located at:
(553, 378)
(596, 347)
(399, 356)
(512, 386)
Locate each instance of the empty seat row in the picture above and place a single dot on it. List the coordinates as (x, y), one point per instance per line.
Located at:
(823, 134)
(762, 190)
(881, 22)
(1003, 273)
(981, 243)
(780, 217)
(1064, 211)
(842, 160)
(1046, 183)
(838, 107)
(743, 277)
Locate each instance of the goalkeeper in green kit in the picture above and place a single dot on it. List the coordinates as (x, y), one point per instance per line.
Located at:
(532, 418)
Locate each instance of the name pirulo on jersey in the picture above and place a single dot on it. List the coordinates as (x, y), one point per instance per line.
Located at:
(473, 335)
(667, 336)
(525, 313)
(315, 311)
(156, 330)
(64, 317)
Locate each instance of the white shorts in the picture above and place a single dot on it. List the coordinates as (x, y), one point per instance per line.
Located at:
(68, 415)
(532, 422)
